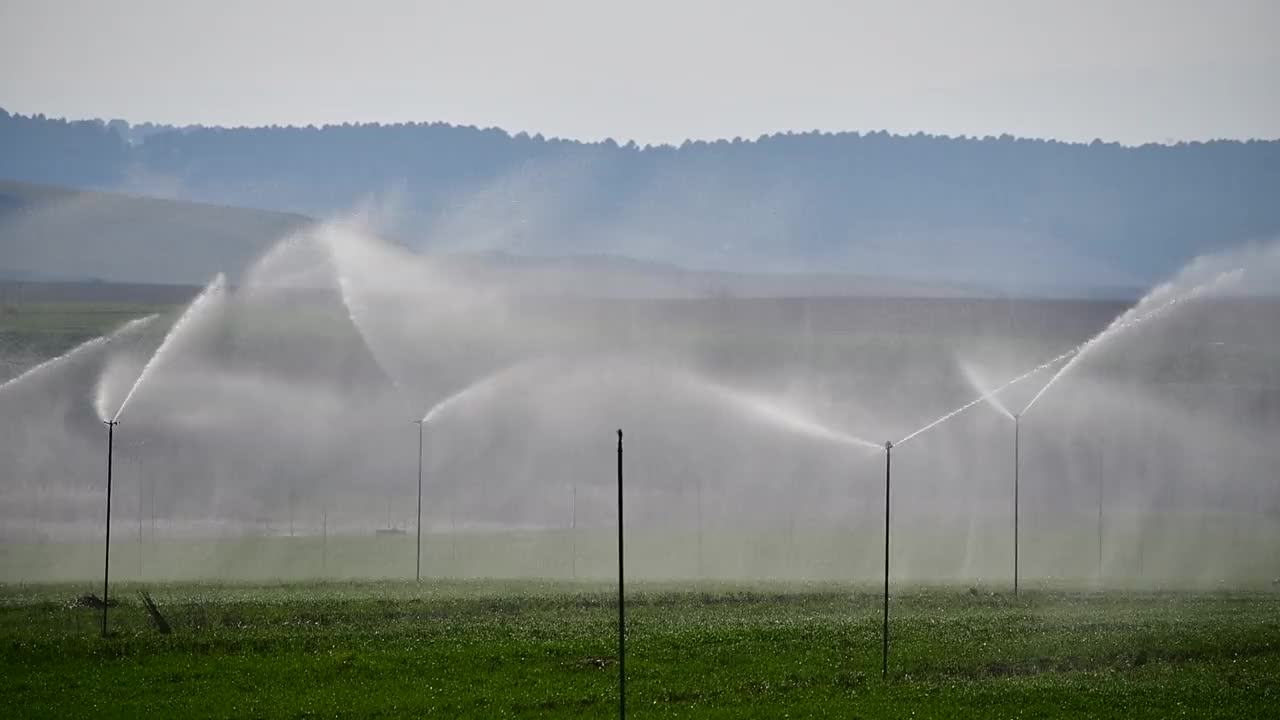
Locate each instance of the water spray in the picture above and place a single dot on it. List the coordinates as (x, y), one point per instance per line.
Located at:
(1073, 355)
(344, 292)
(1130, 319)
(776, 413)
(106, 553)
(40, 368)
(76, 352)
(1127, 320)
(212, 291)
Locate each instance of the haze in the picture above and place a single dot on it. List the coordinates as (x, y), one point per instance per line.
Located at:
(1151, 71)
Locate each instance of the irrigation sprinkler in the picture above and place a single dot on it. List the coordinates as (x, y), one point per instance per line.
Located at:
(324, 539)
(106, 553)
(622, 602)
(417, 572)
(1016, 428)
(884, 654)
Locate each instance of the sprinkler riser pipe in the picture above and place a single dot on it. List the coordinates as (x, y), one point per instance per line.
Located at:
(622, 601)
(106, 552)
(884, 653)
(1016, 431)
(417, 563)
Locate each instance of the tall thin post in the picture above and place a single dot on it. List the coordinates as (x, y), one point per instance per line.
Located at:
(138, 470)
(417, 572)
(106, 553)
(791, 540)
(324, 539)
(291, 498)
(573, 535)
(1099, 524)
(884, 654)
(622, 602)
(701, 570)
(1016, 427)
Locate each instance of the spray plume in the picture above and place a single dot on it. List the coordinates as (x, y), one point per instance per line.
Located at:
(1127, 320)
(79, 350)
(212, 291)
(1133, 317)
(779, 414)
(982, 386)
(332, 240)
(487, 383)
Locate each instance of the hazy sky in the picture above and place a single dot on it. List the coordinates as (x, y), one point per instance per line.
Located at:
(660, 70)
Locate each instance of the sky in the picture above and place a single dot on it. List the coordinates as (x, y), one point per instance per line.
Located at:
(660, 70)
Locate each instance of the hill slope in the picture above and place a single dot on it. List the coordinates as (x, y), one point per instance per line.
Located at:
(51, 233)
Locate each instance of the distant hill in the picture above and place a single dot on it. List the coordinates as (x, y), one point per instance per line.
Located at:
(63, 244)
(1014, 214)
(57, 234)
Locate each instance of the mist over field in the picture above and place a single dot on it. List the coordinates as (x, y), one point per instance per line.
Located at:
(575, 359)
(283, 405)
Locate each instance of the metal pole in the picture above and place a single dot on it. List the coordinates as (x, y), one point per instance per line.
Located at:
(884, 655)
(106, 553)
(1099, 523)
(622, 602)
(139, 472)
(573, 535)
(701, 571)
(1016, 427)
(324, 539)
(417, 573)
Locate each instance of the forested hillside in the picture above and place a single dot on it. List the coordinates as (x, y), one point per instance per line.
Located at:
(1001, 212)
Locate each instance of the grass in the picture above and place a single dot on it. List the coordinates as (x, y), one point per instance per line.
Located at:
(71, 322)
(547, 649)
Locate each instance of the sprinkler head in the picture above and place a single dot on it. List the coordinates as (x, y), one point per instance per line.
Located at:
(888, 445)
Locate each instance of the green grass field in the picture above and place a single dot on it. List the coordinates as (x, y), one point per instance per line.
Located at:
(542, 649)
